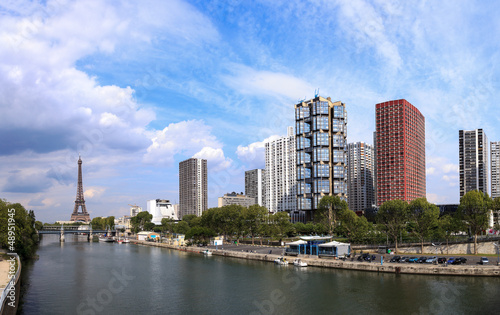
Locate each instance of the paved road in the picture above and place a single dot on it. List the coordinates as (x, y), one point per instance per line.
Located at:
(471, 260)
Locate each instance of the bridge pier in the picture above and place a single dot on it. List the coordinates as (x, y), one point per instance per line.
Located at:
(61, 238)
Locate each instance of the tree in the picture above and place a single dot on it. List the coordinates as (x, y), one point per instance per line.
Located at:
(38, 225)
(167, 225)
(448, 225)
(425, 217)
(181, 227)
(353, 227)
(252, 219)
(280, 224)
(393, 216)
(17, 229)
(98, 223)
(200, 234)
(328, 210)
(495, 206)
(138, 222)
(473, 210)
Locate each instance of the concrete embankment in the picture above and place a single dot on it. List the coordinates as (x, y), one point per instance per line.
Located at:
(422, 269)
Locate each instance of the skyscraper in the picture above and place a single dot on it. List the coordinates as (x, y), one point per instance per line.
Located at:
(279, 178)
(192, 187)
(400, 151)
(360, 176)
(321, 130)
(473, 160)
(495, 169)
(255, 186)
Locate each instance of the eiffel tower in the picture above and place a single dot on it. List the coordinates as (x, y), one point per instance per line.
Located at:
(80, 201)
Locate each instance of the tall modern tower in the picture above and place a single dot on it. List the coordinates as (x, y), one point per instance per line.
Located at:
(280, 181)
(255, 187)
(360, 176)
(473, 160)
(495, 169)
(80, 201)
(321, 131)
(400, 151)
(192, 187)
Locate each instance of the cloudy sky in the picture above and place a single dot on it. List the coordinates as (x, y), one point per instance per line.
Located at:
(137, 86)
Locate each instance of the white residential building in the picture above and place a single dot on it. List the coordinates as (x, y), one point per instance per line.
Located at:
(280, 178)
(495, 169)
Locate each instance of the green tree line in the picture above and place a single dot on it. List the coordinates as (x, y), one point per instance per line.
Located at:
(17, 229)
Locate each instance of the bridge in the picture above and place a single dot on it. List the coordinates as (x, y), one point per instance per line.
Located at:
(71, 229)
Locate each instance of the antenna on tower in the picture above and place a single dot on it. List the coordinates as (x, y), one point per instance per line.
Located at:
(316, 92)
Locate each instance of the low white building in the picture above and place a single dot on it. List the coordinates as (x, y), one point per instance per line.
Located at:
(235, 199)
(161, 208)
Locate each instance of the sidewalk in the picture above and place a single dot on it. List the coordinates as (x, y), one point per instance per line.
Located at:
(4, 273)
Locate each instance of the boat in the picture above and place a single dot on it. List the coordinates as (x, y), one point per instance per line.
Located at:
(126, 241)
(281, 261)
(206, 252)
(299, 263)
(107, 239)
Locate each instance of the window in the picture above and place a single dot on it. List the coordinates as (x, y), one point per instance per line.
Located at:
(338, 156)
(321, 186)
(321, 154)
(320, 138)
(321, 170)
(320, 122)
(338, 111)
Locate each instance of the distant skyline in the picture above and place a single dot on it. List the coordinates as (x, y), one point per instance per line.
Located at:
(137, 87)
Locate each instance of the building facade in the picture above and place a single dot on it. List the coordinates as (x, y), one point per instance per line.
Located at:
(360, 176)
(400, 152)
(193, 193)
(255, 186)
(473, 160)
(279, 178)
(235, 199)
(495, 169)
(134, 210)
(321, 131)
(161, 208)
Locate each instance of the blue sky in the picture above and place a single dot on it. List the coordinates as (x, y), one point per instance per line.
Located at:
(137, 87)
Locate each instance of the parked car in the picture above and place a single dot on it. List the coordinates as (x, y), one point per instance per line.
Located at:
(431, 260)
(413, 260)
(365, 257)
(484, 261)
(441, 260)
(404, 259)
(460, 260)
(451, 260)
(421, 260)
(395, 259)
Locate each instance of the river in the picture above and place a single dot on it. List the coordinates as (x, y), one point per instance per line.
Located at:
(77, 277)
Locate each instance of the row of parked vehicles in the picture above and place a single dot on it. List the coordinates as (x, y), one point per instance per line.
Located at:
(429, 260)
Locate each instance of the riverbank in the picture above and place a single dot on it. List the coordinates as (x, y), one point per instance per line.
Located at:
(386, 267)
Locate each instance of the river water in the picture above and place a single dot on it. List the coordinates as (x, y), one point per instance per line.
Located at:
(78, 277)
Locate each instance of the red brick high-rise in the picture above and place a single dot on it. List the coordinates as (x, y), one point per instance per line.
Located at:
(400, 151)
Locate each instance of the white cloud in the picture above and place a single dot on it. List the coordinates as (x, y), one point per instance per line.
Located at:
(430, 170)
(435, 198)
(215, 159)
(186, 138)
(247, 80)
(254, 153)
(93, 192)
